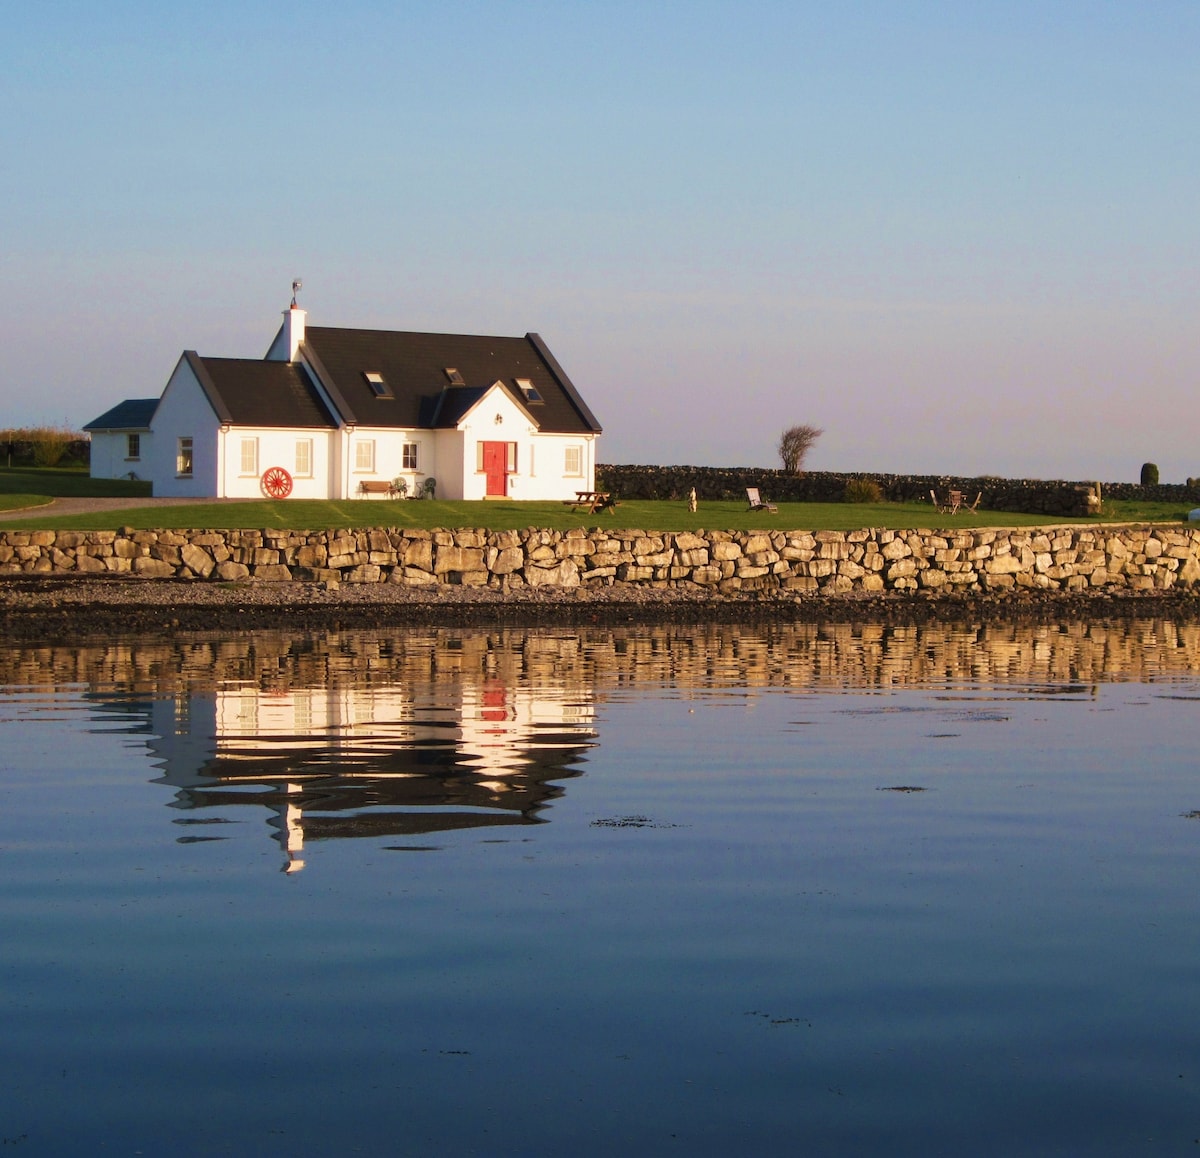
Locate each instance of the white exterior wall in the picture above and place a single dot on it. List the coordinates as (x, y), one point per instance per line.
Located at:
(109, 454)
(274, 448)
(451, 471)
(185, 411)
(388, 459)
(541, 471)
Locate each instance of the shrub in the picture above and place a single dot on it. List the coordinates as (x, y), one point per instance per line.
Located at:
(1149, 474)
(863, 490)
(50, 444)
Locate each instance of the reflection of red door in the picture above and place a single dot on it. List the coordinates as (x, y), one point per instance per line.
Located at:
(495, 466)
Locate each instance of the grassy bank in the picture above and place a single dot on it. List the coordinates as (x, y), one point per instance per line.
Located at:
(500, 515)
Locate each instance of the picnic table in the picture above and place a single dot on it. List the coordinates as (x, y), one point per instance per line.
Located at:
(593, 500)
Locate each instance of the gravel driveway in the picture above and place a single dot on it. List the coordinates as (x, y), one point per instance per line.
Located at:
(68, 506)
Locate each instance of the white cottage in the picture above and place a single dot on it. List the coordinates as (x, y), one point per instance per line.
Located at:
(341, 413)
(121, 441)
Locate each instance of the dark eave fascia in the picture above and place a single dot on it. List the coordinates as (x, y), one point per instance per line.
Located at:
(196, 365)
(338, 404)
(568, 386)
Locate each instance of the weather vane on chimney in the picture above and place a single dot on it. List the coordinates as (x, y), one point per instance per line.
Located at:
(297, 286)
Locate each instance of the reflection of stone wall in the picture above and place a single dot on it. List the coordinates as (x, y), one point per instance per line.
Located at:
(832, 655)
(1072, 558)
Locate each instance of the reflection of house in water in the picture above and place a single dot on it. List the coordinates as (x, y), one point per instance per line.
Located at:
(366, 760)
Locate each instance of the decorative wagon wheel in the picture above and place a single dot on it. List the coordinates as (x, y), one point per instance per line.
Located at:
(276, 482)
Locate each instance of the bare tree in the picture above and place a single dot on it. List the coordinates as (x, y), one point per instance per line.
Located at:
(794, 445)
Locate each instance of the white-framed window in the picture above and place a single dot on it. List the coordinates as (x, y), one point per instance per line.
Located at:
(364, 454)
(183, 458)
(303, 458)
(249, 462)
(573, 461)
(409, 458)
(133, 447)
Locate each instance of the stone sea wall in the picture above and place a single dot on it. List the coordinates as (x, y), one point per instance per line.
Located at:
(834, 562)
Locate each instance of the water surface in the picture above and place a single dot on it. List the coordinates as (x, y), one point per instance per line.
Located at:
(814, 889)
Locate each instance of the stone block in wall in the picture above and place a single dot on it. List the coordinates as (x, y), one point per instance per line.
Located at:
(198, 560)
(598, 573)
(150, 568)
(363, 573)
(726, 551)
(418, 577)
(451, 558)
(117, 564)
(506, 560)
(631, 573)
(231, 572)
(89, 564)
(565, 574)
(747, 570)
(126, 549)
(271, 572)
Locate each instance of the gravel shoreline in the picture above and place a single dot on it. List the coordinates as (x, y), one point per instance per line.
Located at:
(56, 608)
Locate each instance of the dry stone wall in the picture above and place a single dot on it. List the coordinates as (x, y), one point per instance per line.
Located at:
(1032, 496)
(834, 562)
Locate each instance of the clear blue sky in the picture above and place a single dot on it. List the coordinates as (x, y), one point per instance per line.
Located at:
(959, 237)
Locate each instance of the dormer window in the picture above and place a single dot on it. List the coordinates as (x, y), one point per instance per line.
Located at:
(454, 377)
(378, 386)
(528, 390)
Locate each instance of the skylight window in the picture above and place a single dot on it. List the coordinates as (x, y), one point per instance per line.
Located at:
(378, 386)
(529, 390)
(454, 377)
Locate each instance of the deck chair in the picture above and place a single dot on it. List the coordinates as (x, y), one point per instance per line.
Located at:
(971, 506)
(757, 503)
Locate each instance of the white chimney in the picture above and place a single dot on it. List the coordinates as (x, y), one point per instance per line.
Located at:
(293, 330)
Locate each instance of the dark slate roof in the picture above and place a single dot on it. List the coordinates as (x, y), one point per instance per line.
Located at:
(132, 414)
(413, 365)
(246, 392)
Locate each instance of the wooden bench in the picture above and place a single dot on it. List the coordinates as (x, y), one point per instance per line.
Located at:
(593, 500)
(377, 486)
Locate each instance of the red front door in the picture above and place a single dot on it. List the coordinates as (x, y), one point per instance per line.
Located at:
(495, 466)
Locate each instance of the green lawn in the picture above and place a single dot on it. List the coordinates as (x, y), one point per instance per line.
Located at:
(500, 515)
(39, 483)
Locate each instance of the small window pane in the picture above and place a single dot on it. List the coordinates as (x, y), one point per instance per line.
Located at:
(573, 461)
(249, 456)
(364, 454)
(133, 447)
(408, 456)
(304, 457)
(183, 458)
